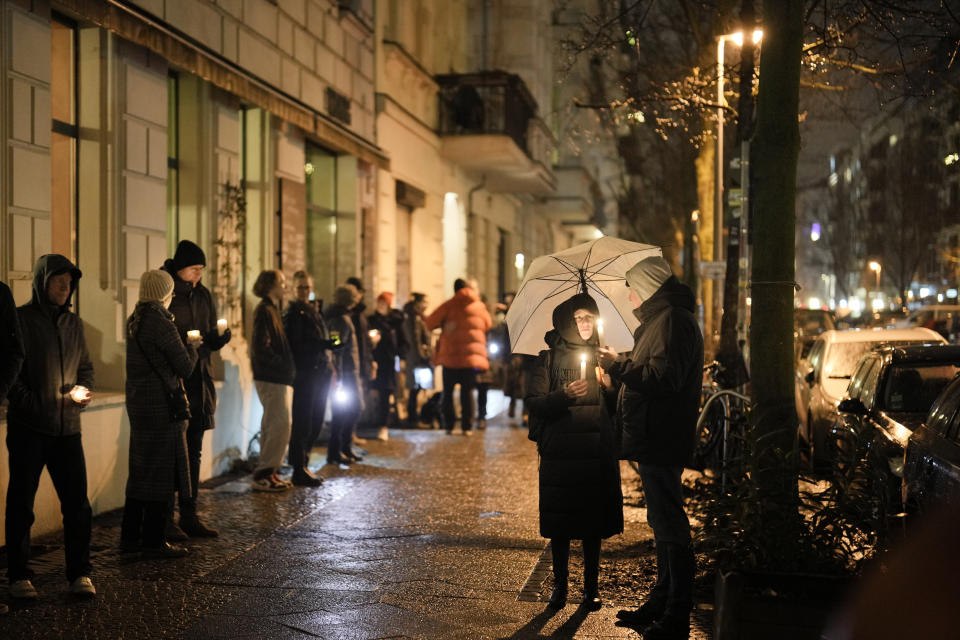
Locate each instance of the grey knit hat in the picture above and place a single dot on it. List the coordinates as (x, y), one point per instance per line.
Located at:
(155, 285)
(647, 276)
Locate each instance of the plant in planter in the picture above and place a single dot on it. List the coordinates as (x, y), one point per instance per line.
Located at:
(231, 223)
(781, 570)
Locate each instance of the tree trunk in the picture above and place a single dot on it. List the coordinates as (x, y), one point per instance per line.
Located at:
(776, 146)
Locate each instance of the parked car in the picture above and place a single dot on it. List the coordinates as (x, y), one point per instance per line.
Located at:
(931, 463)
(823, 376)
(890, 393)
(942, 318)
(807, 325)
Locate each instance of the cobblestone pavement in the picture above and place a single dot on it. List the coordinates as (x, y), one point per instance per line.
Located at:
(432, 536)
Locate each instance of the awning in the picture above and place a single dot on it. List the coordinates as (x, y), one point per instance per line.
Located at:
(134, 25)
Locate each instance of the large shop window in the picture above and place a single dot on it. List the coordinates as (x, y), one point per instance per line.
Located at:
(63, 137)
(331, 234)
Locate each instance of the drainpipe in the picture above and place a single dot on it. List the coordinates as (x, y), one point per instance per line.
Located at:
(485, 31)
(471, 216)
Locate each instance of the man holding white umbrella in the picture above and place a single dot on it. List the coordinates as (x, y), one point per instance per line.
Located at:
(657, 407)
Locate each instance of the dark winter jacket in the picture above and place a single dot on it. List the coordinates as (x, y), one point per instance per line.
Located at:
(346, 358)
(270, 354)
(364, 347)
(389, 348)
(11, 342)
(157, 359)
(309, 339)
(660, 398)
(193, 308)
(56, 358)
(419, 350)
(580, 494)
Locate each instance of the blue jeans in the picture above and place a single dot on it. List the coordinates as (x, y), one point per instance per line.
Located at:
(663, 491)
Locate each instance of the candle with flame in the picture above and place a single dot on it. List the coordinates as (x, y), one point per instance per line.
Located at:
(600, 331)
(79, 394)
(583, 366)
(193, 336)
(221, 325)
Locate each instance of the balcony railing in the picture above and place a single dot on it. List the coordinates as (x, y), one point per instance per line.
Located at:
(493, 103)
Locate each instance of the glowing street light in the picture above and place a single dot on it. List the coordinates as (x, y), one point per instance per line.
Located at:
(874, 266)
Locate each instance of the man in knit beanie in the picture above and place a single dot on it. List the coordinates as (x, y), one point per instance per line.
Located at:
(658, 405)
(193, 309)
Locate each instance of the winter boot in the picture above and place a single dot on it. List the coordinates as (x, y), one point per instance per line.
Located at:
(190, 523)
(591, 575)
(674, 624)
(656, 602)
(561, 554)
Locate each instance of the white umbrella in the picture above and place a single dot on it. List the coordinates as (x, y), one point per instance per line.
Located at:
(599, 266)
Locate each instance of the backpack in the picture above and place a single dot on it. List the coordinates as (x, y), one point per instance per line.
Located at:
(430, 411)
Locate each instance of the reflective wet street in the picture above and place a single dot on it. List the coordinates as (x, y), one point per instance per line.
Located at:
(431, 536)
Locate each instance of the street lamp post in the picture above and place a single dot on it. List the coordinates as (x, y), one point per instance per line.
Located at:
(736, 38)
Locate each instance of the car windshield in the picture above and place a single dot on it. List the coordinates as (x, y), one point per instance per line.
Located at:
(842, 357)
(913, 388)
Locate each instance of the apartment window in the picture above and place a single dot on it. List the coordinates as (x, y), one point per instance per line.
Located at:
(331, 233)
(63, 137)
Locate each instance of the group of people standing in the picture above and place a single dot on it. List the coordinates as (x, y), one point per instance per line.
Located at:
(640, 406)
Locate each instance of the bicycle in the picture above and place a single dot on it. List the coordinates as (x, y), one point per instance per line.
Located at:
(721, 425)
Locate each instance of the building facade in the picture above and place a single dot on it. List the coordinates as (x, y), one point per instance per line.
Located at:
(406, 142)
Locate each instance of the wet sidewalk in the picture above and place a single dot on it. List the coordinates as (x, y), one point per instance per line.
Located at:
(431, 536)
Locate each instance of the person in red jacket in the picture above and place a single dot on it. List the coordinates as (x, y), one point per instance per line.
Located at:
(462, 349)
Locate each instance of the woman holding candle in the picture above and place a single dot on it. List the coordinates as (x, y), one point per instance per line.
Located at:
(157, 361)
(580, 496)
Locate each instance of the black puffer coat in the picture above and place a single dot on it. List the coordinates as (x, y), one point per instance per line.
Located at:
(157, 359)
(193, 308)
(580, 494)
(56, 358)
(662, 377)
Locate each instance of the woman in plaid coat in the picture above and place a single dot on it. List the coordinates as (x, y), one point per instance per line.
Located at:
(157, 361)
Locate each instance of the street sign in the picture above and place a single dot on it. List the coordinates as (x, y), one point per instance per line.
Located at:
(713, 270)
(734, 197)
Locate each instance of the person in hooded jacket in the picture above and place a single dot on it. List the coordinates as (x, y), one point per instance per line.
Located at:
(310, 342)
(657, 408)
(193, 309)
(43, 425)
(157, 361)
(347, 397)
(461, 350)
(580, 495)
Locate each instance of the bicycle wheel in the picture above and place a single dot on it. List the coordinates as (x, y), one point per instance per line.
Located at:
(707, 452)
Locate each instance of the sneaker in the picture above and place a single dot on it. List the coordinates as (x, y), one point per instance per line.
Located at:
(283, 481)
(23, 590)
(383, 434)
(468, 433)
(306, 480)
(83, 587)
(269, 484)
